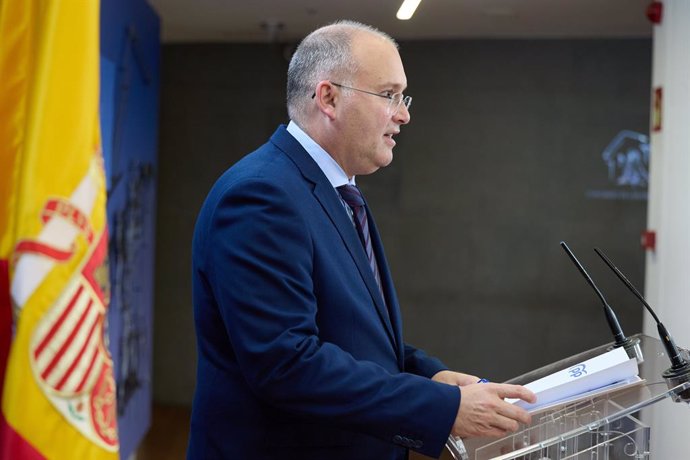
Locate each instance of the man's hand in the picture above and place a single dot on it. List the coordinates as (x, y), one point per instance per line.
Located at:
(483, 412)
(454, 378)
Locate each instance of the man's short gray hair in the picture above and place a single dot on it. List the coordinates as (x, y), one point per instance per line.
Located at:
(324, 54)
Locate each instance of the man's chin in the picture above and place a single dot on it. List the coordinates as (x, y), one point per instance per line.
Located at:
(380, 161)
(386, 160)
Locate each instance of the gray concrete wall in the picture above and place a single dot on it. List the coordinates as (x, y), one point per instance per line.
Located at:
(493, 171)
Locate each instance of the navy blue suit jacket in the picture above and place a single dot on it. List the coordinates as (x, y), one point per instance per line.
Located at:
(297, 355)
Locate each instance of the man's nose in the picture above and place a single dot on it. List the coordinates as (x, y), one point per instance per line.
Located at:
(402, 115)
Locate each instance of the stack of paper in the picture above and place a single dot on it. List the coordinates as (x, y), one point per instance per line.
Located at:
(606, 372)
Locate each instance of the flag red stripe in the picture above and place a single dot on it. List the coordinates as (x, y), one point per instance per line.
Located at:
(88, 371)
(13, 446)
(59, 322)
(43, 249)
(5, 320)
(77, 359)
(67, 343)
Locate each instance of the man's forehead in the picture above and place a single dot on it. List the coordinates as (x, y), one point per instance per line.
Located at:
(380, 63)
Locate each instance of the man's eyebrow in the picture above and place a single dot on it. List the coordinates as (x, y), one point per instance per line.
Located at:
(393, 86)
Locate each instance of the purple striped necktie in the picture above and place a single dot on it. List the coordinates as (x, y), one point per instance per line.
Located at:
(353, 197)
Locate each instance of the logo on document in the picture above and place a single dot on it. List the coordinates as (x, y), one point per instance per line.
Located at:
(578, 371)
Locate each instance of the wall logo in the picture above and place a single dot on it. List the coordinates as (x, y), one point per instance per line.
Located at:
(626, 159)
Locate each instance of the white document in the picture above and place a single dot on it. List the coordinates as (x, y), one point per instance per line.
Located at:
(613, 368)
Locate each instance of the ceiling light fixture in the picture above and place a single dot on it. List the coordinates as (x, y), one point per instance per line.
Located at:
(407, 9)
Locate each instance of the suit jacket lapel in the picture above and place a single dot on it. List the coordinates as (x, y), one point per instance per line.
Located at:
(329, 200)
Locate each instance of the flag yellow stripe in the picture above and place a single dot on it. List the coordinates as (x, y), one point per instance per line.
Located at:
(50, 149)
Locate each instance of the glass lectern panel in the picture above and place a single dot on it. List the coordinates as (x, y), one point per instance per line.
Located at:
(602, 427)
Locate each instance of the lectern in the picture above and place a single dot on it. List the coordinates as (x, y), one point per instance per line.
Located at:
(601, 427)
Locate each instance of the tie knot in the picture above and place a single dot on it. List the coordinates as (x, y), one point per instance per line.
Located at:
(351, 195)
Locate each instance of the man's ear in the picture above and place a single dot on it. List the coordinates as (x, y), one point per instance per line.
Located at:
(326, 98)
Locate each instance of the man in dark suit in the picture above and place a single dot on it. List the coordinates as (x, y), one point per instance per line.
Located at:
(300, 344)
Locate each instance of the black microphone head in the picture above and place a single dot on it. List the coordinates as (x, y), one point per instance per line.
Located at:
(614, 325)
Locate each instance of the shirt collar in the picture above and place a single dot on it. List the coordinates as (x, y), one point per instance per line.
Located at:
(334, 173)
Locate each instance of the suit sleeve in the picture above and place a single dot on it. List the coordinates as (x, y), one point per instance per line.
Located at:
(258, 260)
(419, 363)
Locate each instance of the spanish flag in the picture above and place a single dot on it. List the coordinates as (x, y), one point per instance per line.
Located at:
(58, 393)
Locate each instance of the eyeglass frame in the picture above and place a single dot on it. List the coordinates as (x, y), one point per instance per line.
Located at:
(407, 100)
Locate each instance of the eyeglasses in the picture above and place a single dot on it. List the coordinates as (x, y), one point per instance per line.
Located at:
(394, 100)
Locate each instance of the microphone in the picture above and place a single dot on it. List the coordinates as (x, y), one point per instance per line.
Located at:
(679, 371)
(620, 339)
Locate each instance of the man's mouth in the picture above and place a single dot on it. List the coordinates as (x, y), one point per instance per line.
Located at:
(389, 138)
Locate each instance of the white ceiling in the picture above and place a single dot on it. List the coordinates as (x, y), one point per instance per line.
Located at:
(290, 20)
